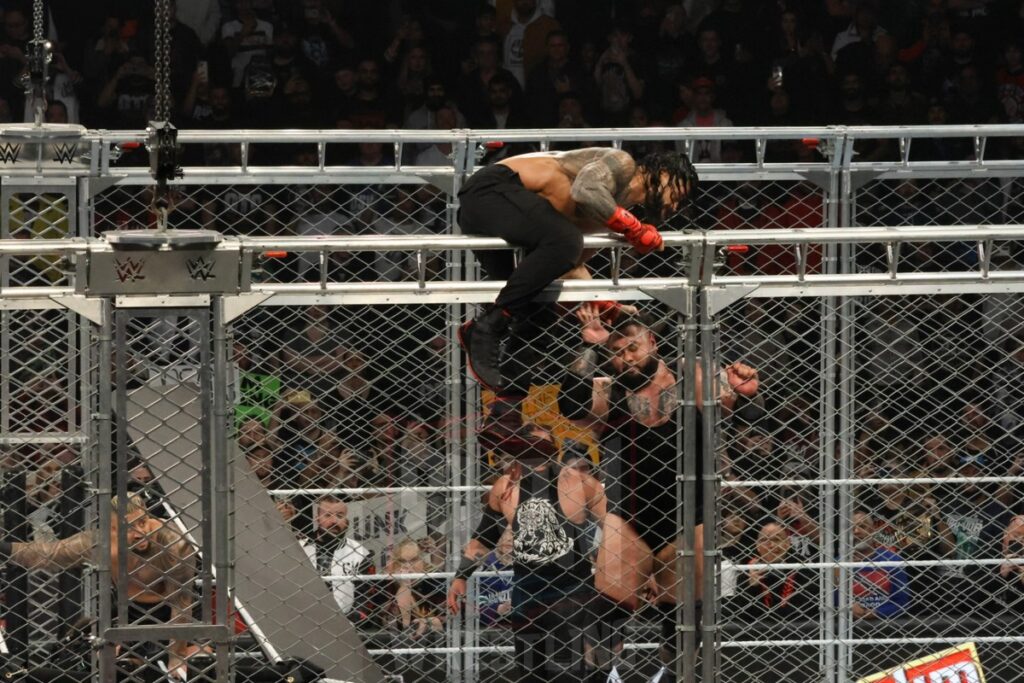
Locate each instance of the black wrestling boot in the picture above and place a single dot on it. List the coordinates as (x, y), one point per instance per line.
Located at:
(482, 339)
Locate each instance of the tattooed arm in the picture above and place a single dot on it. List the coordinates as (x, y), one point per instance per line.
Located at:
(53, 556)
(599, 189)
(602, 178)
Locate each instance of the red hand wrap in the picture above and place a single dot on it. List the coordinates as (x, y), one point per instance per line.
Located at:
(622, 221)
(609, 310)
(644, 237)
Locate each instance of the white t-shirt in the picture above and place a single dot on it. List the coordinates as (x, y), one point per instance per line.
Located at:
(255, 43)
(346, 560)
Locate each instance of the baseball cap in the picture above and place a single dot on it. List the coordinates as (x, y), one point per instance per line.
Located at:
(702, 83)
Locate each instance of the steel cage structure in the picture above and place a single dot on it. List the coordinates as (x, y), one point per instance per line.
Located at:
(843, 260)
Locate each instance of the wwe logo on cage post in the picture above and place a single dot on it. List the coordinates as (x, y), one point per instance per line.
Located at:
(65, 154)
(200, 268)
(9, 153)
(128, 269)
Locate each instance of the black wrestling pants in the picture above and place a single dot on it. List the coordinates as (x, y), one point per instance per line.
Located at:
(494, 203)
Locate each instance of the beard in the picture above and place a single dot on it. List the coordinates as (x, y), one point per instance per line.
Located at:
(146, 552)
(636, 378)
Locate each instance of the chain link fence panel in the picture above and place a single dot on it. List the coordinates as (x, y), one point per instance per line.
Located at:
(852, 533)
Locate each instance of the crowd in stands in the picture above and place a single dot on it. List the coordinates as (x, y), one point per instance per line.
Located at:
(539, 63)
(322, 404)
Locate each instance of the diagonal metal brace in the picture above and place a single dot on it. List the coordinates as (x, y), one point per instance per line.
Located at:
(679, 299)
(720, 297)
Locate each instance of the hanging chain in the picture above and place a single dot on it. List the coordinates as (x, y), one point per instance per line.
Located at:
(38, 56)
(37, 20)
(162, 44)
(163, 137)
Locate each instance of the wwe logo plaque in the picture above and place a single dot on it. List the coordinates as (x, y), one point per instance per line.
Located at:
(200, 268)
(64, 154)
(128, 269)
(9, 153)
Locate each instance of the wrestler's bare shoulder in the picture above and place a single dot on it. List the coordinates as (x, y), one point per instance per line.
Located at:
(552, 173)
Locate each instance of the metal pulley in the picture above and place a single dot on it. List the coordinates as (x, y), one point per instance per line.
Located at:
(162, 144)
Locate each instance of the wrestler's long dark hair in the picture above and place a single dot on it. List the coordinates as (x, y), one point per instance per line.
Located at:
(680, 172)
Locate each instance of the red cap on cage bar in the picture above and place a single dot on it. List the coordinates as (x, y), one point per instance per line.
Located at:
(738, 248)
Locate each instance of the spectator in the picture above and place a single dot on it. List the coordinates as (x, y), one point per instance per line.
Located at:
(900, 106)
(937, 455)
(780, 111)
(245, 38)
(1010, 83)
(423, 464)
(711, 62)
(669, 54)
(307, 449)
(416, 605)
(618, 83)
(286, 61)
(792, 512)
(494, 593)
(863, 29)
(186, 50)
(969, 100)
(435, 96)
(977, 520)
(128, 96)
(411, 82)
(853, 107)
(403, 215)
(1011, 572)
(781, 593)
(62, 90)
(196, 107)
(640, 117)
(571, 115)
(334, 552)
(524, 37)
(202, 16)
(258, 387)
(473, 93)
(259, 446)
(878, 592)
(555, 76)
(323, 42)
(322, 216)
(503, 107)
(409, 35)
(749, 207)
(735, 23)
(371, 104)
(485, 25)
(311, 353)
(439, 154)
(239, 209)
(56, 112)
(356, 405)
(16, 34)
(705, 115)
